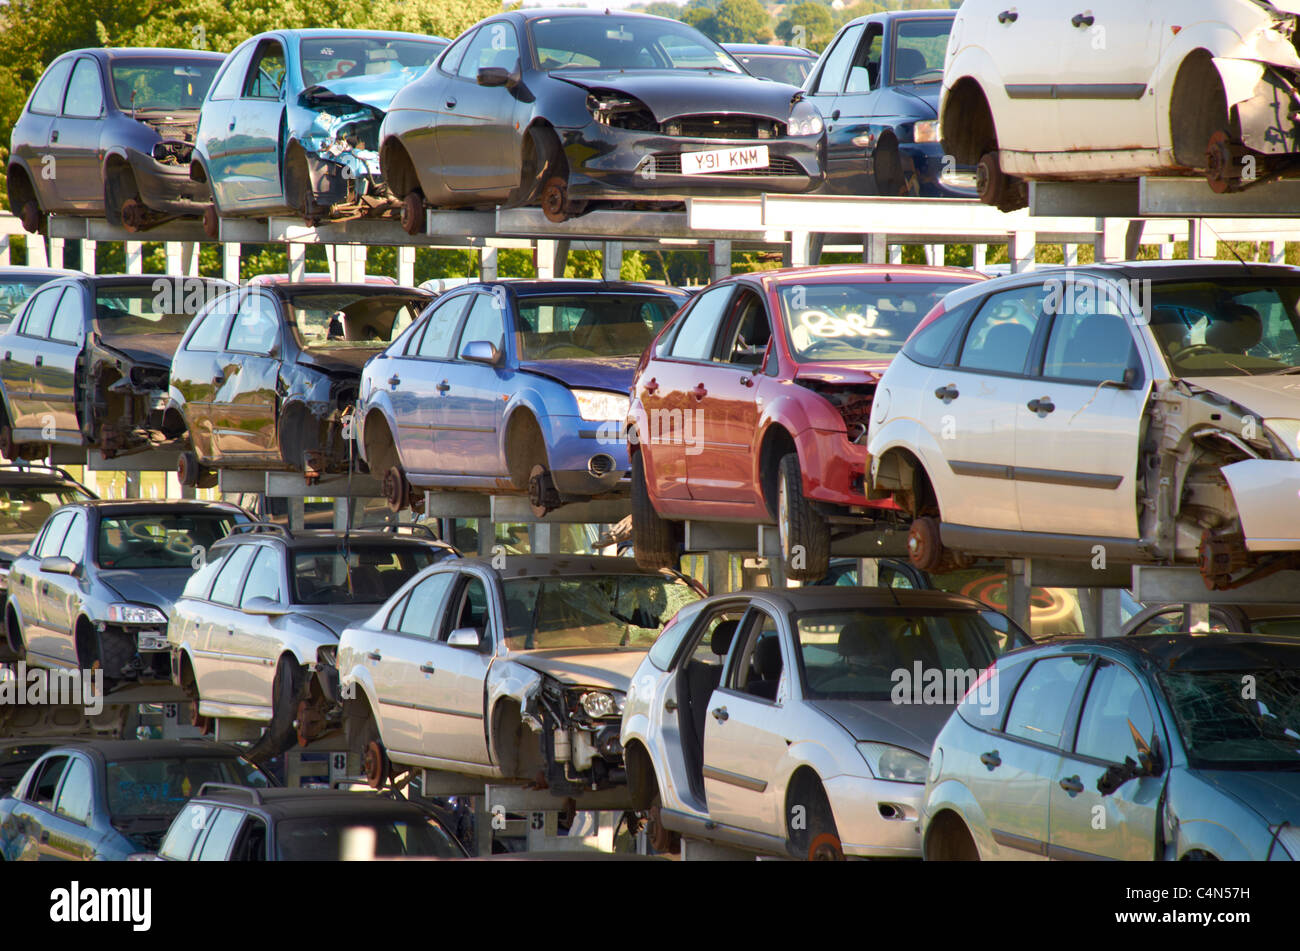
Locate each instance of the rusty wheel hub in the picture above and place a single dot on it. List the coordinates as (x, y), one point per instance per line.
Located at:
(826, 848)
(1219, 557)
(660, 839)
(542, 494)
(211, 223)
(1224, 163)
(412, 213)
(924, 547)
(135, 216)
(373, 764)
(555, 199)
(396, 489)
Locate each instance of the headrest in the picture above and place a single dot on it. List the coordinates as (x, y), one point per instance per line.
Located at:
(722, 635)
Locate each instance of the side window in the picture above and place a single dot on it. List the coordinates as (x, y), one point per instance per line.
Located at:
(226, 588)
(222, 830)
(483, 323)
(469, 609)
(749, 332)
(200, 582)
(450, 61)
(440, 329)
(264, 580)
(211, 331)
(1090, 348)
(930, 339)
(257, 326)
(1114, 715)
(231, 79)
(184, 832)
(42, 790)
(68, 317)
(74, 543)
(495, 44)
(55, 531)
(267, 72)
(757, 666)
(77, 795)
(424, 605)
(831, 79)
(715, 640)
(48, 96)
(85, 98)
(864, 72)
(697, 336)
(1038, 710)
(40, 312)
(251, 844)
(999, 337)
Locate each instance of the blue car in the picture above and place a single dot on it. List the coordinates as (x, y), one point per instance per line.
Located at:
(518, 386)
(877, 85)
(106, 800)
(291, 123)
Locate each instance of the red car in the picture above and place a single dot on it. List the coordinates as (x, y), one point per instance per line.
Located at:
(717, 431)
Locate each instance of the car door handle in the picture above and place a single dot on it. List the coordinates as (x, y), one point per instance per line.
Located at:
(443, 387)
(670, 705)
(835, 114)
(746, 381)
(1008, 16)
(1082, 20)
(991, 759)
(428, 669)
(1072, 785)
(394, 380)
(232, 124)
(1042, 406)
(54, 136)
(652, 385)
(947, 393)
(699, 392)
(451, 103)
(374, 655)
(720, 714)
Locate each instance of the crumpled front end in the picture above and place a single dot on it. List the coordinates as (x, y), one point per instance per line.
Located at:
(338, 176)
(127, 407)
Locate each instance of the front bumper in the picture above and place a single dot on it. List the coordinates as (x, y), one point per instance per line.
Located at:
(167, 188)
(587, 458)
(876, 818)
(834, 469)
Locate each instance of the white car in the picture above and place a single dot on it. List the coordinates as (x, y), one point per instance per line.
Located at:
(1126, 414)
(799, 722)
(1107, 89)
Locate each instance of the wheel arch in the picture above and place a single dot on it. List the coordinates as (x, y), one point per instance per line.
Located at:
(967, 122)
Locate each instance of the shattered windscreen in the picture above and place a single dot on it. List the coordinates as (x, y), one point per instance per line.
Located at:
(1237, 327)
(591, 610)
(851, 321)
(1237, 719)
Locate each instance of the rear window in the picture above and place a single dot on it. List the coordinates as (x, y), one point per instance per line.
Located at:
(360, 574)
(323, 838)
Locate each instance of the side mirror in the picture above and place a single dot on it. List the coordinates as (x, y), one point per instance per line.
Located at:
(59, 565)
(464, 637)
(263, 607)
(493, 76)
(481, 351)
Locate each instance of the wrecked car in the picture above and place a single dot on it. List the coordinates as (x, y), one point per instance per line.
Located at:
(290, 126)
(87, 359)
(516, 673)
(1159, 88)
(264, 376)
(1133, 748)
(254, 634)
(567, 109)
(1113, 414)
(717, 431)
(108, 133)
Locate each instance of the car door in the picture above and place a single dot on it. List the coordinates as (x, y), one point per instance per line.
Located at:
(29, 822)
(39, 631)
(844, 160)
(968, 408)
(1115, 725)
(67, 833)
(467, 413)
(60, 595)
(414, 379)
(247, 400)
(1078, 430)
(1023, 41)
(217, 133)
(743, 739)
(852, 111)
(475, 132)
(54, 369)
(253, 130)
(75, 139)
(264, 637)
(191, 617)
(199, 370)
(22, 344)
(233, 672)
(454, 725)
(35, 128)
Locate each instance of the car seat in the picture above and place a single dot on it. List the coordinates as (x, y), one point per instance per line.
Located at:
(908, 64)
(768, 666)
(1096, 343)
(1005, 347)
(1169, 329)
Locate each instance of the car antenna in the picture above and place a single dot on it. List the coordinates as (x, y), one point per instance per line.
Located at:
(1218, 237)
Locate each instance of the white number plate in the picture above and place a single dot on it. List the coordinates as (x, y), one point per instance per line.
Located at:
(724, 160)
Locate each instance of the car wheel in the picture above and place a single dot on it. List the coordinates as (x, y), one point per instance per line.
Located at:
(280, 733)
(653, 540)
(996, 188)
(191, 689)
(413, 217)
(375, 764)
(188, 469)
(31, 217)
(397, 491)
(818, 840)
(664, 841)
(805, 535)
(555, 199)
(211, 222)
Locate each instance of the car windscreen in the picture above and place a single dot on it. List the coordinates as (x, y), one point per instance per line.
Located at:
(159, 787)
(24, 509)
(873, 655)
(617, 610)
(145, 85)
(329, 320)
(158, 539)
(323, 838)
(784, 69)
(1224, 725)
(1225, 327)
(355, 574)
(13, 294)
(614, 42)
(345, 57)
(919, 48)
(854, 320)
(160, 306)
(577, 326)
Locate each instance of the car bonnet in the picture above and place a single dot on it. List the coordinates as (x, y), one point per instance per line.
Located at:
(669, 93)
(912, 726)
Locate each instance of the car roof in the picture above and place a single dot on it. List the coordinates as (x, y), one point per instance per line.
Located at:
(285, 803)
(1151, 270)
(769, 48)
(535, 566)
(14, 474)
(146, 52)
(866, 272)
(526, 288)
(144, 506)
(284, 288)
(314, 32)
(48, 273)
(841, 598)
(111, 280)
(902, 15)
(1217, 651)
(314, 537)
(122, 750)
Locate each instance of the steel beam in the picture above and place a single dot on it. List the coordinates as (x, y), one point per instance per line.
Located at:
(510, 509)
(1084, 199)
(1154, 584)
(1192, 198)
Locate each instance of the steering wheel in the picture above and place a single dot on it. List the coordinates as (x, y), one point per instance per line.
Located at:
(1194, 348)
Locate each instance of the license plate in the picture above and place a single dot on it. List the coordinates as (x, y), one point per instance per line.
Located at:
(716, 161)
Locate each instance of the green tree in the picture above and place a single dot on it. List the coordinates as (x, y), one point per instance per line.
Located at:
(808, 24)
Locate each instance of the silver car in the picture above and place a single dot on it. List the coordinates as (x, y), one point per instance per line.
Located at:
(800, 721)
(516, 672)
(254, 634)
(1169, 746)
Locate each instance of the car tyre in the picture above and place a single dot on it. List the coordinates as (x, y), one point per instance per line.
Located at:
(211, 222)
(412, 215)
(375, 764)
(31, 217)
(997, 188)
(654, 542)
(664, 841)
(819, 840)
(804, 532)
(397, 490)
(281, 733)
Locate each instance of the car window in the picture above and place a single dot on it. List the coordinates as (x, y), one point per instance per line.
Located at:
(440, 329)
(422, 608)
(1039, 707)
(483, 323)
(40, 312)
(161, 539)
(200, 582)
(758, 668)
(55, 532)
(231, 78)
(748, 332)
(354, 573)
(1115, 717)
(48, 96)
(76, 795)
(184, 832)
(256, 328)
(68, 316)
(591, 611)
(919, 48)
(470, 609)
(42, 790)
(455, 53)
(999, 337)
(495, 45)
(588, 324)
(1090, 348)
(264, 578)
(715, 638)
(222, 830)
(74, 542)
(226, 588)
(251, 844)
(831, 78)
(85, 98)
(266, 73)
(696, 337)
(929, 341)
(664, 648)
(211, 331)
(864, 71)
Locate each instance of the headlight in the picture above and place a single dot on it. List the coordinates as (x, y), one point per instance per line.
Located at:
(927, 131)
(1287, 432)
(135, 614)
(804, 120)
(598, 704)
(599, 405)
(894, 762)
